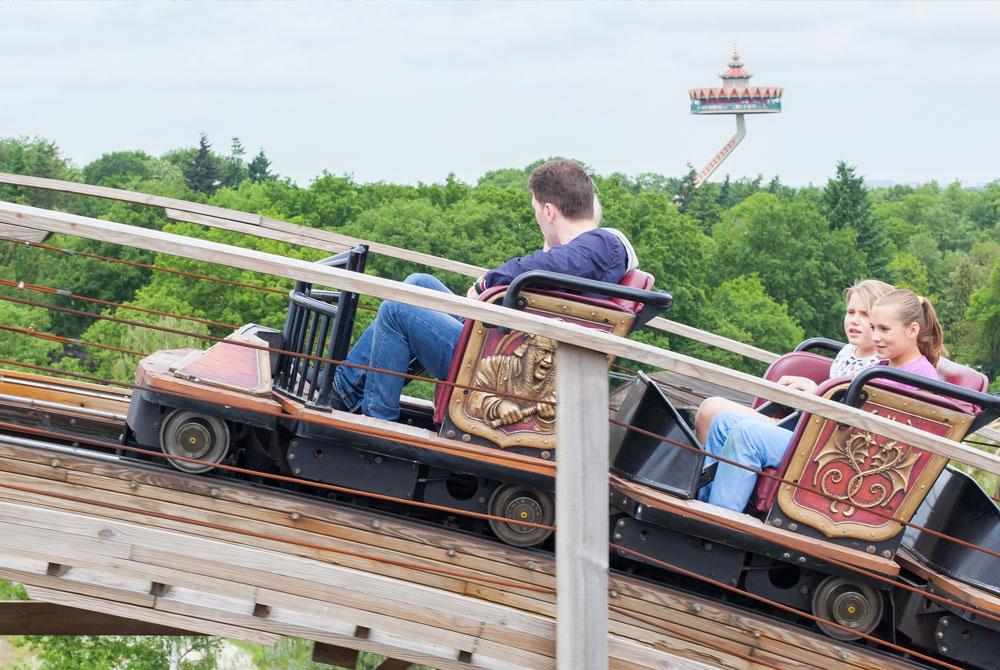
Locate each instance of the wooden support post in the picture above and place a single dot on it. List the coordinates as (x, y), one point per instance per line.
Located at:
(394, 664)
(329, 654)
(581, 509)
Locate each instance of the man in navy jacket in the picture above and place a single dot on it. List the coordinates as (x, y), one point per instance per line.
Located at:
(562, 196)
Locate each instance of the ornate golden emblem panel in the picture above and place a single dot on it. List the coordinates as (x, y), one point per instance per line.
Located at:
(514, 375)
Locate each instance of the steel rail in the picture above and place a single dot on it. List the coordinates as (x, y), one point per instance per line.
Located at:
(73, 409)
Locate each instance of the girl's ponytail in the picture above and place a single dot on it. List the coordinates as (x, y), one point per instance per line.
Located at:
(931, 337)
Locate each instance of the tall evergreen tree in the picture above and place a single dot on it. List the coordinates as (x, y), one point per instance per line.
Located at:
(686, 189)
(259, 168)
(234, 168)
(725, 193)
(237, 152)
(202, 174)
(848, 206)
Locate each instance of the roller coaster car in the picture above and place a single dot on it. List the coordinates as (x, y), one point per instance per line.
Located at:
(478, 450)
(797, 544)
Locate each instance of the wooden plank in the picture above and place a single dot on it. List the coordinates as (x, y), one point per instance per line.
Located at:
(264, 568)
(564, 332)
(990, 433)
(190, 603)
(207, 596)
(327, 240)
(581, 511)
(24, 617)
(111, 607)
(23, 234)
(698, 335)
(353, 526)
(257, 230)
(262, 226)
(122, 595)
(98, 390)
(367, 558)
(187, 607)
(50, 389)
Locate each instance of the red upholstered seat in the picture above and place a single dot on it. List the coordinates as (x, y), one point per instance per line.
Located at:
(799, 363)
(634, 279)
(962, 375)
(767, 488)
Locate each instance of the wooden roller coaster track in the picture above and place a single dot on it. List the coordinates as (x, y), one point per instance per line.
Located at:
(175, 552)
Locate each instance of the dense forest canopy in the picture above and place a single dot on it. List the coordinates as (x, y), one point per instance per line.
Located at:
(760, 262)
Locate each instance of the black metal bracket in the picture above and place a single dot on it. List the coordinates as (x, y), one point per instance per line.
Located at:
(822, 343)
(990, 404)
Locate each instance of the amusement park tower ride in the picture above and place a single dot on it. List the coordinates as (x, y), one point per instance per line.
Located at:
(737, 97)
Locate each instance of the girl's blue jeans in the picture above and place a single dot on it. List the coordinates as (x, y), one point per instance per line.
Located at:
(744, 439)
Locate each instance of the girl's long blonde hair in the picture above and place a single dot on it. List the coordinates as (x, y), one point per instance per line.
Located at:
(911, 308)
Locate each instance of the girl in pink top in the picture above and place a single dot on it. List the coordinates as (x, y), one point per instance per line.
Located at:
(907, 334)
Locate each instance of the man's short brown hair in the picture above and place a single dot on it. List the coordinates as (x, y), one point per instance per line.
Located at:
(565, 184)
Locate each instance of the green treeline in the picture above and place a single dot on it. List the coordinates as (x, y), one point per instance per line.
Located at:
(762, 263)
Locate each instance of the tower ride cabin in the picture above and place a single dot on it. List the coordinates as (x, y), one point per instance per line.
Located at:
(735, 96)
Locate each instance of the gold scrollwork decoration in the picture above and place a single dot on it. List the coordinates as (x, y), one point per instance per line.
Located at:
(873, 464)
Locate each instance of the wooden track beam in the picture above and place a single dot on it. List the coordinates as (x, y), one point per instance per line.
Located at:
(275, 229)
(581, 510)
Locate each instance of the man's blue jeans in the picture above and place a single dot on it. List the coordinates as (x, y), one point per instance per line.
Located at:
(399, 333)
(757, 443)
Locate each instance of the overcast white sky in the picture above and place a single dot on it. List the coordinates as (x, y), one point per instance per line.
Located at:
(411, 92)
